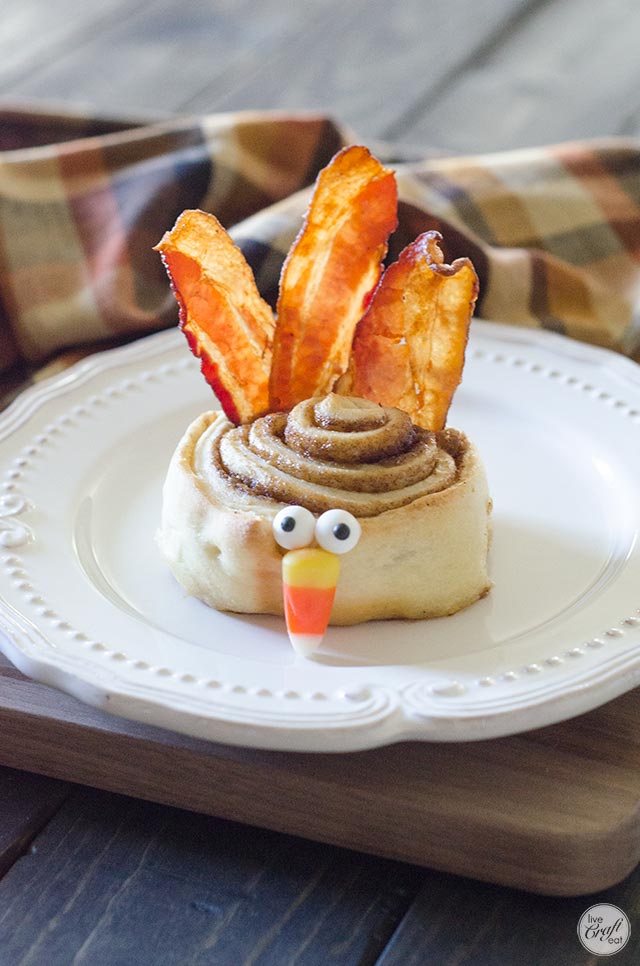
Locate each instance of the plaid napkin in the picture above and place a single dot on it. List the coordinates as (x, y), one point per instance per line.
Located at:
(554, 232)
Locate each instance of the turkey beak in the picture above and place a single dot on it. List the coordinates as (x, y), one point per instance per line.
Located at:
(309, 579)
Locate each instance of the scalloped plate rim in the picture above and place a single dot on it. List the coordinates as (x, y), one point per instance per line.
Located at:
(397, 723)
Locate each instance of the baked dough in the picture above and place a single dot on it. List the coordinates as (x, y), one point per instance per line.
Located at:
(420, 497)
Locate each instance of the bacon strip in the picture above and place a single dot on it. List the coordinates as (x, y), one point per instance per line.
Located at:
(409, 347)
(228, 326)
(329, 274)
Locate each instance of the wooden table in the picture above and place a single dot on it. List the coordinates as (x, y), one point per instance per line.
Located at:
(90, 876)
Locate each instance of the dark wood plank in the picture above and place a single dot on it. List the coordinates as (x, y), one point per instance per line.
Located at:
(162, 53)
(568, 69)
(26, 804)
(366, 63)
(36, 34)
(455, 922)
(514, 73)
(553, 811)
(115, 882)
(370, 63)
(629, 125)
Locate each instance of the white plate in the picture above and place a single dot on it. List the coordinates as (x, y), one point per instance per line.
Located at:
(87, 604)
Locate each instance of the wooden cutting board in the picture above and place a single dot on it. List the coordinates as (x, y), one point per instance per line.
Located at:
(554, 811)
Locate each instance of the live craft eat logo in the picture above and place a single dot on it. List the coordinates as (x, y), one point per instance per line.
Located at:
(604, 929)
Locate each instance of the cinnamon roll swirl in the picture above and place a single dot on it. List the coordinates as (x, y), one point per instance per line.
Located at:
(420, 497)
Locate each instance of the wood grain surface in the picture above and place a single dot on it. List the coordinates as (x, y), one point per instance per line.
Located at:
(27, 802)
(215, 892)
(464, 923)
(553, 811)
(89, 876)
(499, 74)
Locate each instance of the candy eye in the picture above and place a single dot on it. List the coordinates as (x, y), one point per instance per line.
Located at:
(293, 527)
(337, 531)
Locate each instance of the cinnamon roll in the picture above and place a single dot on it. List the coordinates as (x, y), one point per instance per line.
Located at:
(420, 497)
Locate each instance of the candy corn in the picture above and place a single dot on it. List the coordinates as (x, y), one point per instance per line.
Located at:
(309, 578)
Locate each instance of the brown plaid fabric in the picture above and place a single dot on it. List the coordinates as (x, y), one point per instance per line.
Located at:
(554, 232)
